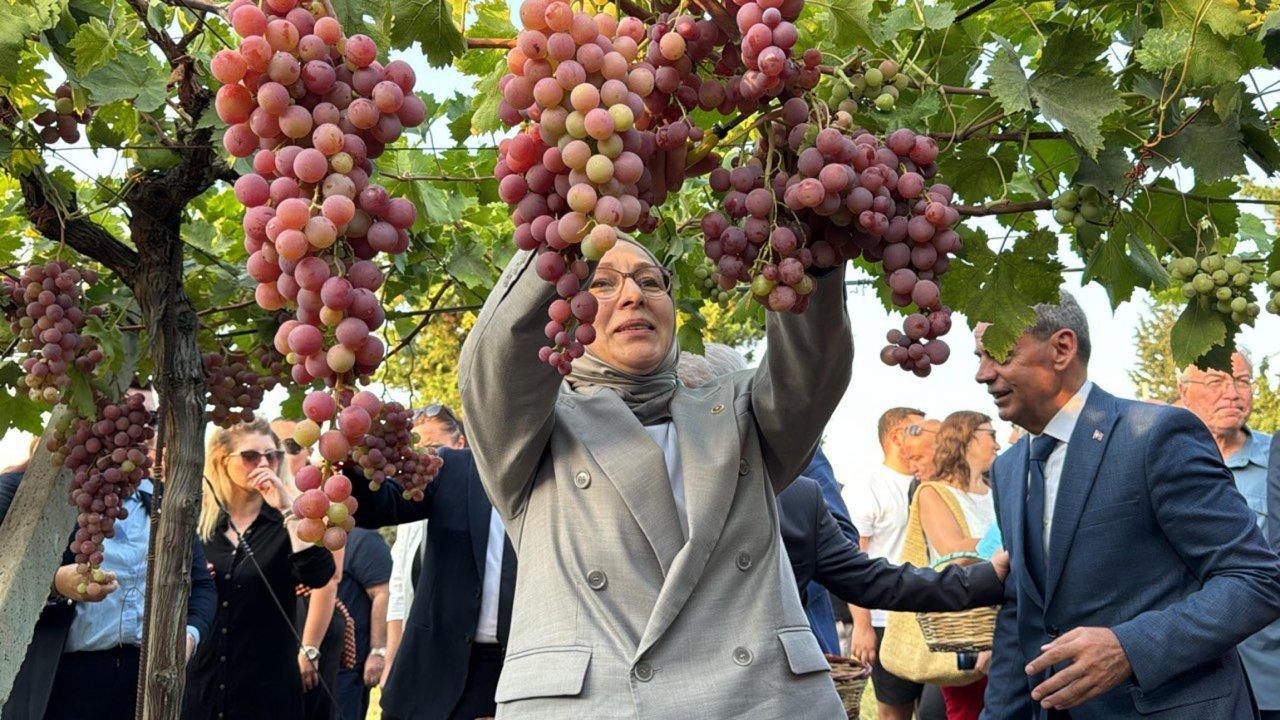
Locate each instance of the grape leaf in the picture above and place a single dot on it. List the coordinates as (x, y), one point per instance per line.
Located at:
(429, 22)
(1162, 49)
(1212, 149)
(1106, 172)
(93, 46)
(939, 16)
(1122, 263)
(114, 123)
(971, 168)
(485, 119)
(133, 76)
(21, 19)
(1079, 104)
(1269, 36)
(1252, 229)
(850, 23)
(1008, 82)
(1198, 329)
(493, 20)
(1070, 52)
(1224, 17)
(17, 410)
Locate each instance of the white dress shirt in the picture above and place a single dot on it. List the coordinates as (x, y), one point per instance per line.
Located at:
(1060, 427)
(406, 547)
(491, 584)
(664, 435)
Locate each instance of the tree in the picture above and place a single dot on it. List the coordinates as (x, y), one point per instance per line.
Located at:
(1132, 125)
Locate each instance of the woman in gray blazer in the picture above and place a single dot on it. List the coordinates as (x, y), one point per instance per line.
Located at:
(652, 583)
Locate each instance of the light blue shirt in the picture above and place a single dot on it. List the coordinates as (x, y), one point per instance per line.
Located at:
(991, 542)
(117, 619)
(1261, 651)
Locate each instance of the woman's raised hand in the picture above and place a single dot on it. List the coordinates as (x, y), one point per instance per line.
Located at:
(271, 487)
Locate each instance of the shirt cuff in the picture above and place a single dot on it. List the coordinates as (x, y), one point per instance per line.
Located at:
(194, 633)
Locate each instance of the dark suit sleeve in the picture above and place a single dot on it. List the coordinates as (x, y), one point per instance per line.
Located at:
(204, 596)
(1008, 692)
(820, 469)
(1205, 518)
(844, 569)
(388, 506)
(1273, 493)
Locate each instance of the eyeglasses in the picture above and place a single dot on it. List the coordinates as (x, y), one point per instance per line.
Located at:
(652, 280)
(434, 411)
(918, 430)
(251, 457)
(292, 447)
(1219, 384)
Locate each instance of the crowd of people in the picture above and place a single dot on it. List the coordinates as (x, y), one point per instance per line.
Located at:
(659, 535)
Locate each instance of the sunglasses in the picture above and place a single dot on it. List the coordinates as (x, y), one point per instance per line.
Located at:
(918, 430)
(251, 457)
(433, 411)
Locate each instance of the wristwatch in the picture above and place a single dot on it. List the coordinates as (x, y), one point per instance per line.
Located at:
(380, 652)
(311, 652)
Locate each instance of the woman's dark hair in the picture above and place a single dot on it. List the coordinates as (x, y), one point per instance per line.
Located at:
(951, 454)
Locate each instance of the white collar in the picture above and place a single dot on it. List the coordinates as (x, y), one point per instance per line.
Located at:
(895, 476)
(1064, 423)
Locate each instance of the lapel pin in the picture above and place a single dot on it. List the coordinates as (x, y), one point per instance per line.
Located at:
(1097, 435)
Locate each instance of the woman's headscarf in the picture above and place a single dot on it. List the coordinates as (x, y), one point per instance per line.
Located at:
(648, 396)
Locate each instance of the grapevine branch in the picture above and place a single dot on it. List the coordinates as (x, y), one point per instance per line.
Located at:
(82, 234)
(974, 9)
(1003, 208)
(201, 313)
(426, 318)
(490, 43)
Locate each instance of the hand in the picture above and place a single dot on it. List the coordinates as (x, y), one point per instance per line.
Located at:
(984, 662)
(1097, 664)
(310, 675)
(271, 487)
(1000, 562)
(68, 580)
(862, 646)
(386, 673)
(191, 646)
(373, 667)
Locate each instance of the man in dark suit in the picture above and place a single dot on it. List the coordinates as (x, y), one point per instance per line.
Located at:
(80, 638)
(821, 553)
(1137, 565)
(455, 636)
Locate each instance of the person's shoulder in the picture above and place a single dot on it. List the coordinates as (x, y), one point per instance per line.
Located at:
(802, 487)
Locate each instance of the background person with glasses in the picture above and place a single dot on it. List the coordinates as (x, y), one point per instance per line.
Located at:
(247, 667)
(1224, 402)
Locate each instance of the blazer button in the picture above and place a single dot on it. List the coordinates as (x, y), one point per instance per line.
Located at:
(643, 672)
(1053, 631)
(582, 479)
(467, 638)
(597, 580)
(744, 467)
(744, 560)
(717, 409)
(742, 656)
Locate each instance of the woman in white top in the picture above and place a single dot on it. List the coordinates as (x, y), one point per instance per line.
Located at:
(966, 449)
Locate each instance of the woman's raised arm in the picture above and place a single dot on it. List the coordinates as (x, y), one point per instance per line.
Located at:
(508, 396)
(806, 368)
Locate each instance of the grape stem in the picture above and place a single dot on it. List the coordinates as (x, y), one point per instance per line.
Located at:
(200, 313)
(1003, 208)
(490, 43)
(426, 318)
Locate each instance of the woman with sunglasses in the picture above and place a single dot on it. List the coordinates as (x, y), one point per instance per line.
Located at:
(956, 510)
(247, 666)
(652, 581)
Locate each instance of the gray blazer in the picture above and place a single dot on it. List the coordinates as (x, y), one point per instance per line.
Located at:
(615, 616)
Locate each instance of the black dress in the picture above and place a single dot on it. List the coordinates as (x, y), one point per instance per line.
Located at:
(247, 667)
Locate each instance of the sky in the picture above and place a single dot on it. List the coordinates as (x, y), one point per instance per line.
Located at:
(850, 439)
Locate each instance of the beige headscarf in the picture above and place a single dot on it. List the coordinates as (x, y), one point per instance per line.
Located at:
(648, 396)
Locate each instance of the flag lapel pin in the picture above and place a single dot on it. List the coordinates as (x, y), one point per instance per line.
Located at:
(1097, 435)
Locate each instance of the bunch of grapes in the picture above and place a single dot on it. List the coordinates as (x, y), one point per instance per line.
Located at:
(1273, 286)
(1224, 283)
(47, 315)
(880, 84)
(1077, 208)
(108, 457)
(388, 451)
(62, 121)
(325, 506)
(314, 108)
(236, 387)
(768, 37)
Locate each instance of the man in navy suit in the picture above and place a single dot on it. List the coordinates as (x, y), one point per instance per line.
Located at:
(455, 636)
(1137, 565)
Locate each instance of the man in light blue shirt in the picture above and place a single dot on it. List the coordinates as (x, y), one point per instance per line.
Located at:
(1224, 402)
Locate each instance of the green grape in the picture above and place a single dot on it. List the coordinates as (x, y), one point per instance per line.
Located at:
(888, 69)
(1241, 279)
(1223, 293)
(884, 102)
(1202, 283)
(902, 82)
(839, 92)
(1220, 277)
(1079, 221)
(1232, 265)
(1092, 212)
(874, 77)
(1189, 291)
(1274, 279)
(1239, 305)
(1064, 216)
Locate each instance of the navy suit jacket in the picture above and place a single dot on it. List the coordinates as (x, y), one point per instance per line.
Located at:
(430, 668)
(821, 553)
(31, 688)
(818, 607)
(1151, 539)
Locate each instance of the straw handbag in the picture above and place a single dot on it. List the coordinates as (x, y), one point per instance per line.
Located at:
(904, 651)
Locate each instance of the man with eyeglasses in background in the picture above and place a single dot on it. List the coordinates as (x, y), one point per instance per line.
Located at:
(1224, 402)
(98, 637)
(919, 446)
(455, 634)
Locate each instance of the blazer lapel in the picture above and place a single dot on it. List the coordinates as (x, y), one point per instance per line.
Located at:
(478, 511)
(1079, 470)
(1018, 456)
(706, 439)
(633, 463)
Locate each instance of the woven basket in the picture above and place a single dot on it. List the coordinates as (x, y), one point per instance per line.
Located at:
(965, 631)
(850, 679)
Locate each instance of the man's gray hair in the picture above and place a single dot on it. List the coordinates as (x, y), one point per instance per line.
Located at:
(1065, 315)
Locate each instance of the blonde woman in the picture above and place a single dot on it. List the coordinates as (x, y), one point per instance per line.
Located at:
(966, 449)
(247, 667)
